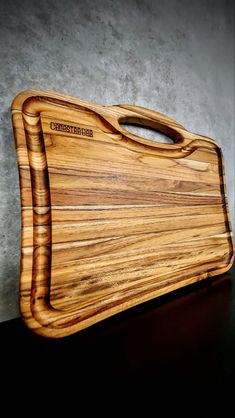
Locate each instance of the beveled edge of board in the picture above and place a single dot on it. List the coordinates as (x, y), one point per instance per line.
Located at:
(36, 308)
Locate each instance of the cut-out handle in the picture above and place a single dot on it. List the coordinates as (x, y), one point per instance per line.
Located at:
(184, 141)
(147, 132)
(145, 117)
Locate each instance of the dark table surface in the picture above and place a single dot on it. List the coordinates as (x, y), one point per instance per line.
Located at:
(172, 355)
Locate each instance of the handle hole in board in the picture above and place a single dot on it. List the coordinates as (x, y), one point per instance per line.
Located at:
(146, 132)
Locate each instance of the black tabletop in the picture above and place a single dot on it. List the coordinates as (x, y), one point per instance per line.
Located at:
(174, 354)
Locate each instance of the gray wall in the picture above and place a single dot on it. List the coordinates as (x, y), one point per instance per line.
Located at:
(175, 56)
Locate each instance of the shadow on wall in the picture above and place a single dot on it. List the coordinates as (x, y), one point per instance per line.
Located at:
(10, 222)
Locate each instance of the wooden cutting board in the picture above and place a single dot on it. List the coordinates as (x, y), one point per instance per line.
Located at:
(109, 219)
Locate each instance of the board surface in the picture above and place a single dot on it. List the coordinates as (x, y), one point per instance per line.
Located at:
(109, 219)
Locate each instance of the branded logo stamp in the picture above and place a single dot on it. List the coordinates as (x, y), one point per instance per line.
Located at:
(71, 129)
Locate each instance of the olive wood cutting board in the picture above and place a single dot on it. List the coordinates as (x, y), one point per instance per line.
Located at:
(110, 219)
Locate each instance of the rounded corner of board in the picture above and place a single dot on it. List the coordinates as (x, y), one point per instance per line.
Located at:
(19, 99)
(226, 268)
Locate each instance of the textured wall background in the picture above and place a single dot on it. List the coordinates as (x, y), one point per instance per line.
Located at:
(175, 56)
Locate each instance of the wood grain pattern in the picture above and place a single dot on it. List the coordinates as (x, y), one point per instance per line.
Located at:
(109, 219)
